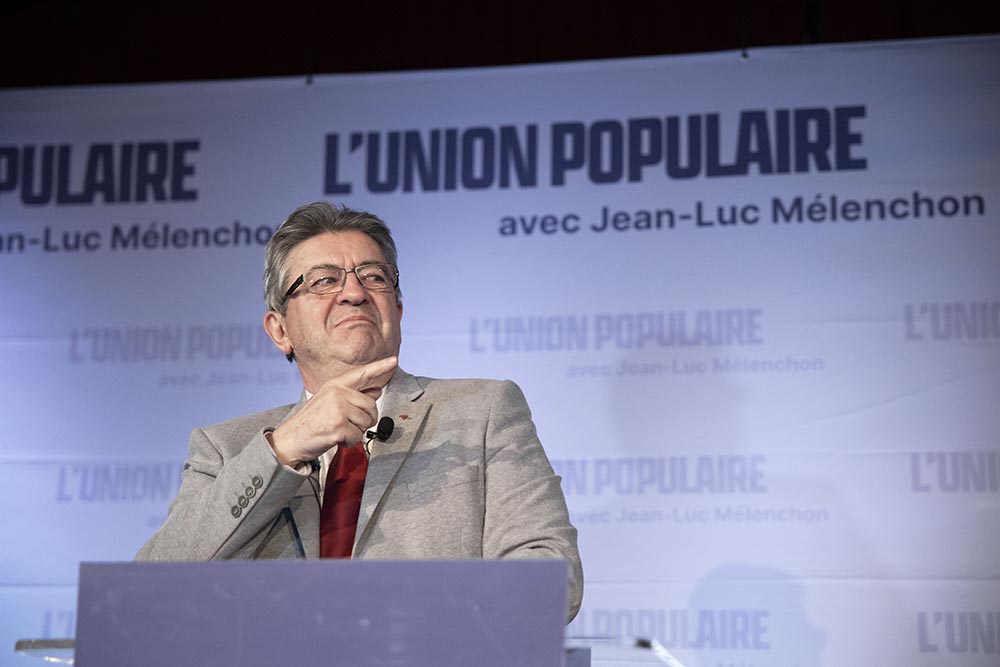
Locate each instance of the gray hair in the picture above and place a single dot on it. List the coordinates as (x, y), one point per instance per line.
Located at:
(312, 220)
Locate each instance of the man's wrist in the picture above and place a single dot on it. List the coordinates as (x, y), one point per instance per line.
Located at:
(294, 464)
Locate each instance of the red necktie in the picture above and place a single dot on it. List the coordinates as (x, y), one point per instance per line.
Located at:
(338, 521)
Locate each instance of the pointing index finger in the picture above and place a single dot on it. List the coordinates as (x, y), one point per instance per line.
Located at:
(371, 376)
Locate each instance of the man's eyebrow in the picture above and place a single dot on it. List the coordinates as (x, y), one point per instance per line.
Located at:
(327, 265)
(323, 266)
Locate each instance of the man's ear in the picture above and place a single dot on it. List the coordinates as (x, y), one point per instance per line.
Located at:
(274, 325)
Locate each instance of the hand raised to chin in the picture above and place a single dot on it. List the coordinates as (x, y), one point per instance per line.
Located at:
(337, 414)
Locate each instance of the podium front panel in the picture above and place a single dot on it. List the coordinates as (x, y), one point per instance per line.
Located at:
(266, 613)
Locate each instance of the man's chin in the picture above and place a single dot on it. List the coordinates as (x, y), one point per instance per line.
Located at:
(364, 356)
(350, 353)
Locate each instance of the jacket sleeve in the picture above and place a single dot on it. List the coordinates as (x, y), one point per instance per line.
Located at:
(526, 514)
(226, 504)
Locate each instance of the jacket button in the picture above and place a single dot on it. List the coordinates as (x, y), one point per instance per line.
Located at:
(258, 481)
(250, 491)
(236, 512)
(242, 501)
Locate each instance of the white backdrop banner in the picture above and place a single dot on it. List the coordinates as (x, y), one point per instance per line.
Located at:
(753, 301)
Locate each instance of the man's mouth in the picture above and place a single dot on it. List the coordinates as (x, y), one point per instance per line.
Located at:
(355, 318)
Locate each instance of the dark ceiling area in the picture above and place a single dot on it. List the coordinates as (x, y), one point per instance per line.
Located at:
(59, 42)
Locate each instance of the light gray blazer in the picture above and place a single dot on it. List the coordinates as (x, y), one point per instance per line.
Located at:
(463, 475)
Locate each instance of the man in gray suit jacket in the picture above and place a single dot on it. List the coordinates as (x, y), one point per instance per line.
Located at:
(462, 474)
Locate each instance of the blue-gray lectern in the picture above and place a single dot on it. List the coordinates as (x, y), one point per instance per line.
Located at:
(322, 613)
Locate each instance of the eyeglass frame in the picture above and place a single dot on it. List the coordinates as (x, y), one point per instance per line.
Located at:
(343, 283)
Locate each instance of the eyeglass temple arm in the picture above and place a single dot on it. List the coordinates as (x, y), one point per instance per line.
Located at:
(295, 286)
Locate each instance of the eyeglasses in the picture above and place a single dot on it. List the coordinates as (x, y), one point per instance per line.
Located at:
(332, 279)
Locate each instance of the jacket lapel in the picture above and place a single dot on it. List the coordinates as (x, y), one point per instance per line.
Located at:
(408, 414)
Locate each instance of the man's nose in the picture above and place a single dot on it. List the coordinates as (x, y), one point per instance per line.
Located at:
(353, 292)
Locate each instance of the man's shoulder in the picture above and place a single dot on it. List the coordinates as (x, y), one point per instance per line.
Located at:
(472, 389)
(460, 384)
